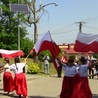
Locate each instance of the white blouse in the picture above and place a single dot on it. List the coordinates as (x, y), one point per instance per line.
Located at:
(6, 66)
(69, 71)
(83, 70)
(19, 66)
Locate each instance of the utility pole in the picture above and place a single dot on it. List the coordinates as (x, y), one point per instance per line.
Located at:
(80, 26)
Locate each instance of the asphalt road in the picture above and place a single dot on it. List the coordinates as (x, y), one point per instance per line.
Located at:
(46, 87)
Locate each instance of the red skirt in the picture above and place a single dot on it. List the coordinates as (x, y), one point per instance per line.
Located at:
(68, 86)
(82, 89)
(8, 82)
(20, 84)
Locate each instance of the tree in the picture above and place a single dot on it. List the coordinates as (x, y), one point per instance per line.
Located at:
(35, 15)
(9, 26)
(9, 21)
(27, 45)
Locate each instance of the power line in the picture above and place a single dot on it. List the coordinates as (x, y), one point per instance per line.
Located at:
(80, 27)
(58, 33)
(91, 27)
(62, 27)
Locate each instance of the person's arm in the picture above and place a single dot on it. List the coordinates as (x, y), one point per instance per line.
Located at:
(94, 74)
(25, 61)
(92, 65)
(1, 69)
(60, 62)
(44, 57)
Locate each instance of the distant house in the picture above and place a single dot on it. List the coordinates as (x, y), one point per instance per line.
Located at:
(69, 49)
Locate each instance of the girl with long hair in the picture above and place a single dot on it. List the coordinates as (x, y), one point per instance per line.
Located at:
(7, 78)
(20, 84)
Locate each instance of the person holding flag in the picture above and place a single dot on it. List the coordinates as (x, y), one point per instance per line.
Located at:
(82, 89)
(70, 77)
(20, 84)
(64, 59)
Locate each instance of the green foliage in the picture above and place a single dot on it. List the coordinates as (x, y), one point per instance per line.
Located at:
(72, 57)
(95, 55)
(9, 29)
(33, 68)
(42, 54)
(26, 46)
(7, 41)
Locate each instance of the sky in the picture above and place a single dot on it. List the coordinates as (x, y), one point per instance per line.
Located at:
(63, 20)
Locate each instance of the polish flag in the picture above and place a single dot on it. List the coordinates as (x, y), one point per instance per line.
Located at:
(11, 53)
(86, 42)
(46, 43)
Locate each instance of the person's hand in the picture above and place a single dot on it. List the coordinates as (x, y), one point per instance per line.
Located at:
(58, 58)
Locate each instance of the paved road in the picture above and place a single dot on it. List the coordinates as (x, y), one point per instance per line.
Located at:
(46, 87)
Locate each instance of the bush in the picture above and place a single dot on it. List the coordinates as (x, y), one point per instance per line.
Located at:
(33, 68)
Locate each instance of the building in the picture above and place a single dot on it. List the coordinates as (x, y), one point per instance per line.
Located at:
(69, 49)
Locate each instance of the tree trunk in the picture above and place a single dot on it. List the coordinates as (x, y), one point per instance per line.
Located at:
(35, 30)
(35, 39)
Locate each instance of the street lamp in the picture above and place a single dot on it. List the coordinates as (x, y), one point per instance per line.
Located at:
(23, 8)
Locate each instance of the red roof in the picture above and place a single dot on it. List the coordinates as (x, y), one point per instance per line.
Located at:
(70, 49)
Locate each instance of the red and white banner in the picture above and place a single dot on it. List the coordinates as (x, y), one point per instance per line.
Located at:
(86, 42)
(11, 53)
(46, 43)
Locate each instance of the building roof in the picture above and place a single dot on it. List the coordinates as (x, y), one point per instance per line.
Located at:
(69, 48)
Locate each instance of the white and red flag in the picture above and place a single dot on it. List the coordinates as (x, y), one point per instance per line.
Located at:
(46, 43)
(11, 53)
(86, 42)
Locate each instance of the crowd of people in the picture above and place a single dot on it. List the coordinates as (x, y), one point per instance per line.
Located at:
(75, 81)
(18, 82)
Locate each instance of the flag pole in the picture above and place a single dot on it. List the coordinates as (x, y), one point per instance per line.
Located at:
(31, 52)
(27, 56)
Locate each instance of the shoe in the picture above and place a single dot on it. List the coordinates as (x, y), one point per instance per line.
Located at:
(92, 77)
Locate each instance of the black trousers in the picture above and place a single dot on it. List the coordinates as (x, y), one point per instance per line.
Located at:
(59, 71)
(91, 71)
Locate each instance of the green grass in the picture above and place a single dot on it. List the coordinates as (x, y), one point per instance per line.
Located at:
(52, 69)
